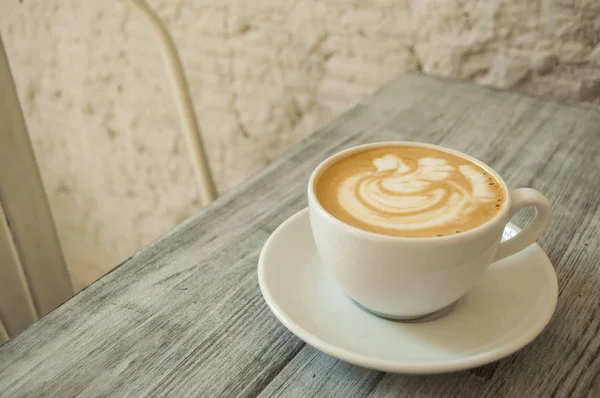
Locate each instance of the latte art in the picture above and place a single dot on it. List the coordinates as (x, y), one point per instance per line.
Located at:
(398, 197)
(409, 191)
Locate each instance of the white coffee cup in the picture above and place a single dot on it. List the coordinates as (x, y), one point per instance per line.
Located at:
(405, 278)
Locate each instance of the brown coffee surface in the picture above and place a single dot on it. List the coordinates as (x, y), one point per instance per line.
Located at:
(409, 191)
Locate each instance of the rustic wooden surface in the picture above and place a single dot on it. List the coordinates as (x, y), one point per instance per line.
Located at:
(185, 316)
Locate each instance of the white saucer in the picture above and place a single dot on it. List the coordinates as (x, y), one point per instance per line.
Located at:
(507, 309)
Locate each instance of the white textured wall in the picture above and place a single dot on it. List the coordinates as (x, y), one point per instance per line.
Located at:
(263, 75)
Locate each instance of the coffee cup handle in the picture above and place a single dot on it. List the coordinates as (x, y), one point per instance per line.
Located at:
(520, 198)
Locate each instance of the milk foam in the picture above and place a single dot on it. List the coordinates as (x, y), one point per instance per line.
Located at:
(398, 197)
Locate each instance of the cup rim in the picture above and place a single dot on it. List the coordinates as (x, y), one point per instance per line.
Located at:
(368, 234)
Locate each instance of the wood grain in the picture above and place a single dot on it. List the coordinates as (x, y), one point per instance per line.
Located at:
(185, 317)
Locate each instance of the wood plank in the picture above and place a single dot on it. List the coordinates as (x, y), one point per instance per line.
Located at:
(538, 144)
(24, 200)
(185, 317)
(194, 289)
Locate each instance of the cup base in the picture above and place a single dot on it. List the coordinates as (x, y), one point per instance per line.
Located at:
(412, 319)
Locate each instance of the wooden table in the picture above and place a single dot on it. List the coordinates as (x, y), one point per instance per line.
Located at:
(185, 316)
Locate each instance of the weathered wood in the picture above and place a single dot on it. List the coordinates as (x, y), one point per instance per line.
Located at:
(185, 317)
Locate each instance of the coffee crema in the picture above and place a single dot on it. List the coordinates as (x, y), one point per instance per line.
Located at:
(409, 191)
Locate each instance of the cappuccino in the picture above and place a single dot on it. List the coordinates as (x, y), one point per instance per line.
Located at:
(409, 191)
